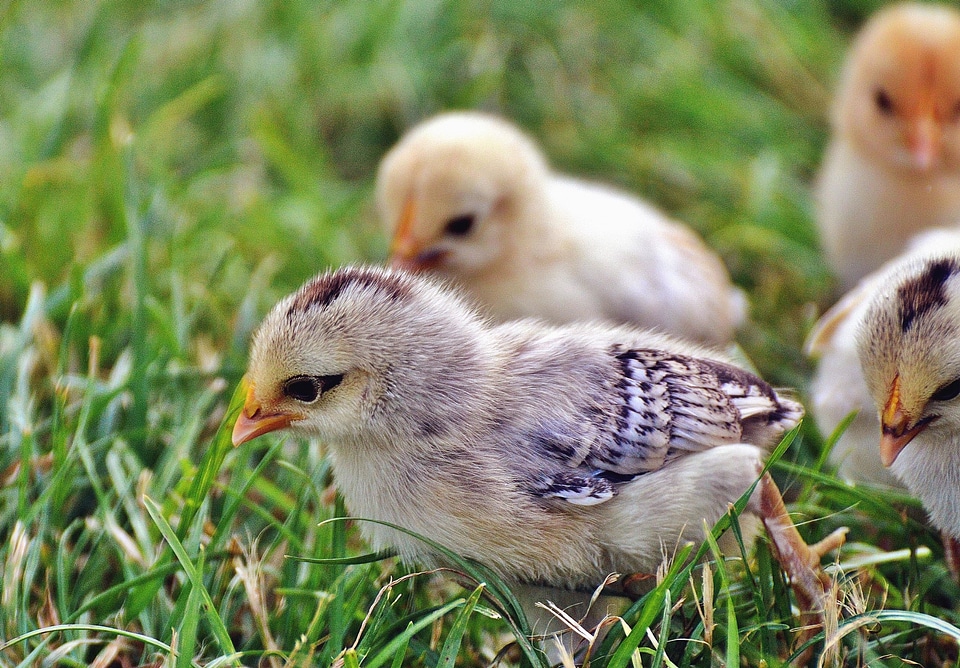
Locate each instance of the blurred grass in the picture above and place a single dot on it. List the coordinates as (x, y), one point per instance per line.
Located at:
(168, 170)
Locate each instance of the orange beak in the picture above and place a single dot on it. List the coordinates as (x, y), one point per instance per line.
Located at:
(923, 139)
(253, 422)
(404, 248)
(896, 426)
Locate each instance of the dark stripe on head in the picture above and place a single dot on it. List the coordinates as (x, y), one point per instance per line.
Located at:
(924, 292)
(323, 290)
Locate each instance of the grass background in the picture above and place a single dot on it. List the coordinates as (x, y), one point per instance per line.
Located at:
(169, 170)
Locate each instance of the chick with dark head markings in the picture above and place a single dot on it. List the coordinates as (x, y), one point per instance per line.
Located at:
(839, 386)
(909, 349)
(554, 455)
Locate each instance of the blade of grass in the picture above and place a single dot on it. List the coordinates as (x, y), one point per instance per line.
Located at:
(92, 628)
(399, 655)
(392, 647)
(350, 658)
(832, 439)
(451, 646)
(652, 605)
(195, 578)
(664, 637)
(733, 628)
(190, 624)
(367, 558)
(210, 465)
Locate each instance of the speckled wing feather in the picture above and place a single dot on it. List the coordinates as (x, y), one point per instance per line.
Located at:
(667, 406)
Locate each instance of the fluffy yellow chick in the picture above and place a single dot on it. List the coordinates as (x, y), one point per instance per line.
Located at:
(553, 455)
(470, 197)
(893, 165)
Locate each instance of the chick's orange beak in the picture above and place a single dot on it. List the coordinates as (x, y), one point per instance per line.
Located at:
(253, 422)
(897, 428)
(406, 251)
(923, 140)
(404, 247)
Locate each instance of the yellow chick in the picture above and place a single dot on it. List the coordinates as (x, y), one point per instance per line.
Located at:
(893, 164)
(470, 197)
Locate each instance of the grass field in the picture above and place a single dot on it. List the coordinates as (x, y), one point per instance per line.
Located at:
(169, 170)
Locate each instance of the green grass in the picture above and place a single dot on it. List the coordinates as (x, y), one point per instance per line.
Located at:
(169, 170)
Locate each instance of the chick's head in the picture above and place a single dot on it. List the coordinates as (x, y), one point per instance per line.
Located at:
(354, 354)
(909, 349)
(899, 98)
(452, 191)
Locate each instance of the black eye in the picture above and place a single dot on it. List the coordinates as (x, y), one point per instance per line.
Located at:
(884, 103)
(947, 392)
(460, 226)
(308, 388)
(302, 388)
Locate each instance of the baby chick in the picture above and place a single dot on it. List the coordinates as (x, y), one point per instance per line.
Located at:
(893, 165)
(470, 197)
(839, 387)
(909, 348)
(554, 456)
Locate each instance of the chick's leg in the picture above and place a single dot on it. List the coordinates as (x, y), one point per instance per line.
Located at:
(799, 560)
(951, 554)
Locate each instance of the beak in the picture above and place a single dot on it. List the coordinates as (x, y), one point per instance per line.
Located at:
(923, 140)
(403, 249)
(896, 426)
(252, 421)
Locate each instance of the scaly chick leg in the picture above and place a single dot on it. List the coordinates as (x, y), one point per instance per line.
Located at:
(800, 561)
(951, 554)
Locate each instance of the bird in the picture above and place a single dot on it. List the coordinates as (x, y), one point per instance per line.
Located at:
(839, 387)
(892, 165)
(908, 344)
(467, 195)
(553, 455)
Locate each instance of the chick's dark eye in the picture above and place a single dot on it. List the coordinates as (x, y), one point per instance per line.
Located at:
(302, 388)
(883, 101)
(460, 226)
(947, 392)
(308, 388)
